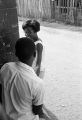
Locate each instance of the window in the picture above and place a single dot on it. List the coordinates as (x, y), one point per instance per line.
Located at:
(63, 6)
(57, 2)
(64, 3)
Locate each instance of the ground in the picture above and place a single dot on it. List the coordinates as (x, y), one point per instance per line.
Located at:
(63, 63)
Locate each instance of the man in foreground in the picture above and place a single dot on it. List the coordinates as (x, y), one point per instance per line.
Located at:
(23, 90)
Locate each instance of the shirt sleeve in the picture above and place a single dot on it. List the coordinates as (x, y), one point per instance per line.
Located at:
(39, 95)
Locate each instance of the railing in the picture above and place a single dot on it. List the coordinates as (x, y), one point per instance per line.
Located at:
(70, 15)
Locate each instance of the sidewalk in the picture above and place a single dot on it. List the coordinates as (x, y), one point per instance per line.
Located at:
(63, 65)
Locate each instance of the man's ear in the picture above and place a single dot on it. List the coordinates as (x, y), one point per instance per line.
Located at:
(34, 54)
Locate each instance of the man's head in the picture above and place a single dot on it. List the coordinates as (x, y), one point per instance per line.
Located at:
(31, 27)
(25, 49)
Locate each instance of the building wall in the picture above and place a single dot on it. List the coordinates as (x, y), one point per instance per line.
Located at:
(34, 8)
(68, 11)
(8, 30)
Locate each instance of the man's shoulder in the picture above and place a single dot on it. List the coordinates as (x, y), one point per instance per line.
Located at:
(38, 82)
(8, 65)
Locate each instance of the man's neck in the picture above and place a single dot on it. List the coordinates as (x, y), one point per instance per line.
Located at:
(29, 63)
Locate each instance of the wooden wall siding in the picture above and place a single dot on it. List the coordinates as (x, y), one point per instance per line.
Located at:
(45, 9)
(34, 8)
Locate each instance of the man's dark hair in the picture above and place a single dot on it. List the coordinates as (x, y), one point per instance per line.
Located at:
(24, 48)
(34, 24)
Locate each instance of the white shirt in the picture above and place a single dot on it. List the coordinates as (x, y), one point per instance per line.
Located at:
(22, 88)
(42, 68)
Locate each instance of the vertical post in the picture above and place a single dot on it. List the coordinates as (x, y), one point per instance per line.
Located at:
(59, 11)
(52, 2)
(8, 31)
(75, 13)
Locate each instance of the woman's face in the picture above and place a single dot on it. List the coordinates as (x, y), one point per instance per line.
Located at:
(29, 32)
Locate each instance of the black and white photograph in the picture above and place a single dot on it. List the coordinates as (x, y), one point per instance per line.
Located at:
(40, 59)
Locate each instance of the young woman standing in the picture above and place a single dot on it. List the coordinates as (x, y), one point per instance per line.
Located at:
(31, 28)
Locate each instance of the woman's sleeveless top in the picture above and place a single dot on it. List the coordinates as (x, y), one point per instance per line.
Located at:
(43, 55)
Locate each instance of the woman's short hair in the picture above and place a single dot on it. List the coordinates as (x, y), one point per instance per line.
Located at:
(34, 24)
(24, 48)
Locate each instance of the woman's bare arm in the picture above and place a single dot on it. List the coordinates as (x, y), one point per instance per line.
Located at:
(39, 57)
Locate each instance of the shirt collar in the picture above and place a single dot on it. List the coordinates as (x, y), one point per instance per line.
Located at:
(25, 66)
